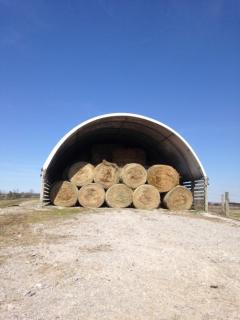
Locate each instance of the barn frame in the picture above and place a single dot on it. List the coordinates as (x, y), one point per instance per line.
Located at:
(161, 143)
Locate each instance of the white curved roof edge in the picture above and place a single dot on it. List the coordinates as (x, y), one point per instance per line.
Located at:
(108, 115)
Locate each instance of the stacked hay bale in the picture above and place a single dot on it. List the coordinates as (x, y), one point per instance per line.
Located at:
(166, 179)
(120, 187)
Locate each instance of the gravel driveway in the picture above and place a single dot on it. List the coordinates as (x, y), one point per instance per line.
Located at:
(119, 264)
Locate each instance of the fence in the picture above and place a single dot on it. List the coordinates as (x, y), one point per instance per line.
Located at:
(225, 207)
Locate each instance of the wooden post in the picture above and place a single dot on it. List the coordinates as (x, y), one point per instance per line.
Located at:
(226, 204)
(222, 203)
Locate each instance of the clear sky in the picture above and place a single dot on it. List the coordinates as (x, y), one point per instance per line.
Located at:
(62, 62)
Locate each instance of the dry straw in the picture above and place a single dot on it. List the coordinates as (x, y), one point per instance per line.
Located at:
(91, 195)
(163, 177)
(133, 175)
(81, 173)
(64, 194)
(107, 174)
(119, 196)
(179, 198)
(146, 197)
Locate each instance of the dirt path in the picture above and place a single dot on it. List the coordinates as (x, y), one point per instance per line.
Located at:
(118, 264)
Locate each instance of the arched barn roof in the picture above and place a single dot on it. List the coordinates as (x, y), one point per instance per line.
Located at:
(163, 144)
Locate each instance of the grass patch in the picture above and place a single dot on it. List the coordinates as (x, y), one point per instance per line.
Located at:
(4, 203)
(234, 211)
(17, 228)
(37, 216)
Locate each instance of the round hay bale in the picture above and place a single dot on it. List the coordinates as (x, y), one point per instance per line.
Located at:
(64, 194)
(179, 198)
(163, 177)
(119, 196)
(146, 197)
(133, 175)
(91, 195)
(81, 173)
(107, 174)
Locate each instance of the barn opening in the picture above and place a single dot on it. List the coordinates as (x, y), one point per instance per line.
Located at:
(160, 143)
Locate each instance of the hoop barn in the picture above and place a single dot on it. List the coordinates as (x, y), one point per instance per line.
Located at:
(160, 143)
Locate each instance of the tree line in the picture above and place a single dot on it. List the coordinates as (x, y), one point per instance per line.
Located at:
(16, 194)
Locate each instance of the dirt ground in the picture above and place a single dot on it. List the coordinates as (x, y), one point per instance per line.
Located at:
(117, 264)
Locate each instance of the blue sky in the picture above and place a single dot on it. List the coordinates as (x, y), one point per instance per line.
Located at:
(62, 62)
